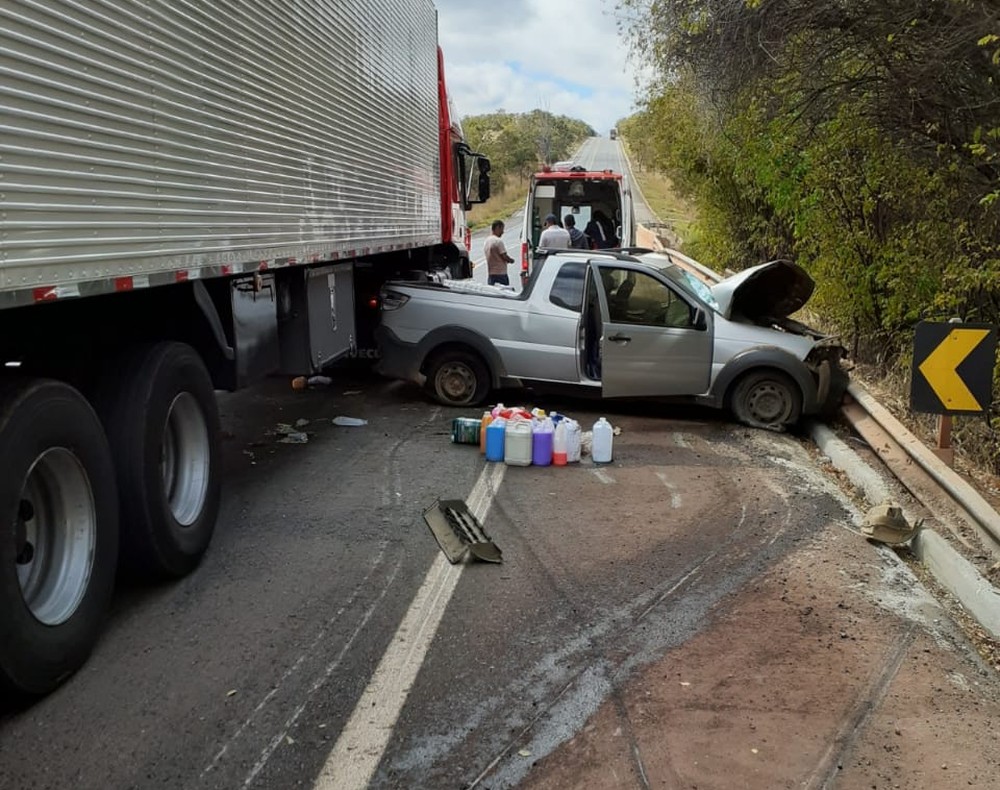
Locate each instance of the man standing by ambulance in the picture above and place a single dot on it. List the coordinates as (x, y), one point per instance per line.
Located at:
(496, 256)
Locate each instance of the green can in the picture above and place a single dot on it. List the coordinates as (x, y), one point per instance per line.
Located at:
(465, 430)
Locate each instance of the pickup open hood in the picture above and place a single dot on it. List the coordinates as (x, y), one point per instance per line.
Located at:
(772, 290)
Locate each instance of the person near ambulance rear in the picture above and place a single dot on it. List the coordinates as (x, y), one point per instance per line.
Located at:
(554, 236)
(601, 232)
(577, 238)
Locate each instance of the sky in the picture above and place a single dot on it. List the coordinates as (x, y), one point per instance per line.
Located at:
(519, 55)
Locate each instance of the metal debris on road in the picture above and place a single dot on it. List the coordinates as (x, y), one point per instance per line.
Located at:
(458, 532)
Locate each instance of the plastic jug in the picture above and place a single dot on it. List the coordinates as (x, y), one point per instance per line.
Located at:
(541, 442)
(517, 443)
(559, 456)
(483, 425)
(495, 439)
(604, 437)
(573, 437)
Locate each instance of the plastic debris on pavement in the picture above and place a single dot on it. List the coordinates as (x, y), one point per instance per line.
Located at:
(301, 382)
(349, 422)
(295, 437)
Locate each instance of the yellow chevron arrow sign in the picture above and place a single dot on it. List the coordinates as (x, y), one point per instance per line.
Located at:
(940, 369)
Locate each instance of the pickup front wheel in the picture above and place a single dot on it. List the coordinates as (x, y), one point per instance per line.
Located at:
(456, 377)
(767, 399)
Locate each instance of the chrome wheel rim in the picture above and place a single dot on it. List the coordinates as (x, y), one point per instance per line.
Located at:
(56, 534)
(185, 460)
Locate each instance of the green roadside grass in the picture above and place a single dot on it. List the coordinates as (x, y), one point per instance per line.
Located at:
(665, 203)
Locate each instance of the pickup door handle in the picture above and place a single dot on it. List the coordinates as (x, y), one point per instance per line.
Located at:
(619, 338)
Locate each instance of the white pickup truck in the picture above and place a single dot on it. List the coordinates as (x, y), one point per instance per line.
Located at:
(619, 324)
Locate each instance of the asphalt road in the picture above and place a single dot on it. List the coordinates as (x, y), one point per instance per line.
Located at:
(692, 614)
(253, 670)
(596, 153)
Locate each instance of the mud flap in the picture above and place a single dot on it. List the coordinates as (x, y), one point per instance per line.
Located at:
(458, 532)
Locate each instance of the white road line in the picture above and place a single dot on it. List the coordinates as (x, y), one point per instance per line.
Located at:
(317, 684)
(675, 497)
(357, 753)
(603, 476)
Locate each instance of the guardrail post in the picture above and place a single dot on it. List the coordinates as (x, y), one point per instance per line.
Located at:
(944, 450)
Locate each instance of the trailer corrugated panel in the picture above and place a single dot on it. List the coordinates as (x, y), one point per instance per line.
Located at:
(165, 135)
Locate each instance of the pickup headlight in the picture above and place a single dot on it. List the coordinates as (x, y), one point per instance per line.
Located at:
(393, 300)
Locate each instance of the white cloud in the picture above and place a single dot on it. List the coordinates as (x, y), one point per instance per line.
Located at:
(557, 55)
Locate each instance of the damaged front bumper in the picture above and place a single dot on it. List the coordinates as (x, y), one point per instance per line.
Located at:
(825, 362)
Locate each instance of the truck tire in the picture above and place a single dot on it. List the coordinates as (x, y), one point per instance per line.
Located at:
(456, 377)
(59, 539)
(766, 399)
(163, 426)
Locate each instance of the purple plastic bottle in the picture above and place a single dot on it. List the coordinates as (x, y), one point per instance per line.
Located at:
(541, 443)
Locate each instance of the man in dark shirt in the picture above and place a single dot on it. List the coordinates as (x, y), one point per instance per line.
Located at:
(577, 238)
(601, 232)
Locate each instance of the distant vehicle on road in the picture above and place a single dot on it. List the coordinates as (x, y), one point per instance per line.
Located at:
(566, 188)
(626, 324)
(614, 134)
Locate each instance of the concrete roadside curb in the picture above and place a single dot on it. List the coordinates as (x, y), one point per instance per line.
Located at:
(951, 569)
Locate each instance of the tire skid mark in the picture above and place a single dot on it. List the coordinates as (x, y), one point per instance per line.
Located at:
(593, 656)
(317, 684)
(633, 744)
(826, 773)
(297, 664)
(390, 469)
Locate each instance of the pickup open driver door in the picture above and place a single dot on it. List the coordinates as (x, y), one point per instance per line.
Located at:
(655, 342)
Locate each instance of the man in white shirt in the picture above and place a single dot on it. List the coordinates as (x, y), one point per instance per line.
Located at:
(554, 236)
(496, 256)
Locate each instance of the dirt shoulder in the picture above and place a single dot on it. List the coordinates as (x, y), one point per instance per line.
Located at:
(835, 666)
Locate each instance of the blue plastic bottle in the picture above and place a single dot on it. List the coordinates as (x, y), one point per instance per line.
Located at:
(495, 439)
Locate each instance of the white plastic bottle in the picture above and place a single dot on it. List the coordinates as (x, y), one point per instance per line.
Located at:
(517, 443)
(604, 437)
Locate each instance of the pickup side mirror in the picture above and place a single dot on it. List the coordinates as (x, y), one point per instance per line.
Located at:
(699, 320)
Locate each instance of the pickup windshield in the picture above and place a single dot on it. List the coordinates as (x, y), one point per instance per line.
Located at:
(690, 284)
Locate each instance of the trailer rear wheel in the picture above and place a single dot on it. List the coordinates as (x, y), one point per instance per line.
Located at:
(59, 544)
(163, 425)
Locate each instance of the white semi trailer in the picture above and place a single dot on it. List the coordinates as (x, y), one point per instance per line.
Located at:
(193, 195)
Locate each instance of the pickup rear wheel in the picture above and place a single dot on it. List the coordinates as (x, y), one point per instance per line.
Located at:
(456, 377)
(766, 399)
(59, 541)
